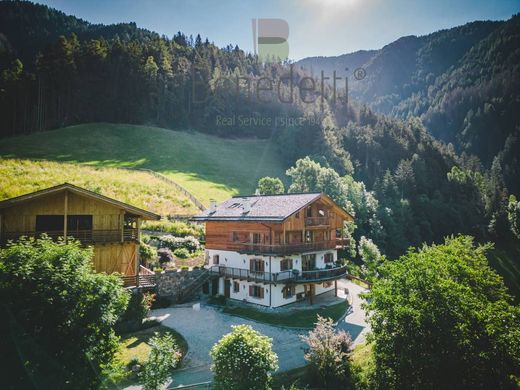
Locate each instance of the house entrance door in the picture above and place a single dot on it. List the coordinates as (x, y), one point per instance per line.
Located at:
(227, 288)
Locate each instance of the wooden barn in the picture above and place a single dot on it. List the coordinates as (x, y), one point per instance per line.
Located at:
(111, 227)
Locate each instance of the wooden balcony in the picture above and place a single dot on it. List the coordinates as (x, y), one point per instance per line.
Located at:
(317, 221)
(285, 249)
(84, 236)
(290, 276)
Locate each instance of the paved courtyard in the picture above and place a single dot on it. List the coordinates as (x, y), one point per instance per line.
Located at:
(203, 327)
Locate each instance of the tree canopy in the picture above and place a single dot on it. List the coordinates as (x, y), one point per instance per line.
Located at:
(60, 313)
(442, 319)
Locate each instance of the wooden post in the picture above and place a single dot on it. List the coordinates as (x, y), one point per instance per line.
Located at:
(312, 293)
(122, 224)
(65, 215)
(335, 288)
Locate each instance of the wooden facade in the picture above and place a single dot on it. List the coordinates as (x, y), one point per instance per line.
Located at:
(314, 227)
(109, 226)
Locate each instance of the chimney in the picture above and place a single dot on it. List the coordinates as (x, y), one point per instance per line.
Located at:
(246, 206)
(212, 206)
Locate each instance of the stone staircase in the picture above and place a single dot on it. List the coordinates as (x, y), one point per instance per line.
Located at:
(189, 291)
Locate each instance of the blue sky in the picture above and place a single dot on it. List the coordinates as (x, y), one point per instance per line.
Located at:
(317, 27)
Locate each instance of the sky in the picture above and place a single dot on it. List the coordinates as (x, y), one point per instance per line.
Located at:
(316, 27)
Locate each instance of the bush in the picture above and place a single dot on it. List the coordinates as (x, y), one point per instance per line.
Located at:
(176, 228)
(329, 355)
(136, 311)
(164, 356)
(243, 359)
(165, 256)
(147, 252)
(60, 311)
(190, 243)
(182, 253)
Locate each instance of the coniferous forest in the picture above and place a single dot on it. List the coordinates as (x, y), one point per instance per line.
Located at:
(427, 143)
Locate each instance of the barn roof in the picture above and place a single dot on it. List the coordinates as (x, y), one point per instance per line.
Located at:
(80, 191)
(267, 208)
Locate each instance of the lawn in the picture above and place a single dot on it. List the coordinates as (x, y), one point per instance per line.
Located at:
(139, 189)
(296, 318)
(134, 345)
(209, 167)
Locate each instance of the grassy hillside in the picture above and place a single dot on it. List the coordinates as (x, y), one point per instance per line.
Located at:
(209, 167)
(140, 189)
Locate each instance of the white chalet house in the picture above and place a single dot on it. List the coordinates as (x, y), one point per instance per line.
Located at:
(276, 249)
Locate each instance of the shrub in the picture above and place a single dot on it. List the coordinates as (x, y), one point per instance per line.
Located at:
(190, 243)
(165, 256)
(147, 252)
(182, 253)
(243, 359)
(164, 355)
(136, 311)
(52, 298)
(329, 355)
(176, 228)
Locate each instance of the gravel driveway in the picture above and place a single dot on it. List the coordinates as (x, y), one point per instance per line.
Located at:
(203, 327)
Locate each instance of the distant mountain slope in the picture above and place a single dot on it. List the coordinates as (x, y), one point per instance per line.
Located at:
(404, 66)
(464, 83)
(207, 166)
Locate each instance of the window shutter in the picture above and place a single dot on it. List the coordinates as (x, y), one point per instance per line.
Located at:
(261, 292)
(250, 291)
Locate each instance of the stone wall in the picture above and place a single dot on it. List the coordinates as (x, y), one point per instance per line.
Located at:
(170, 284)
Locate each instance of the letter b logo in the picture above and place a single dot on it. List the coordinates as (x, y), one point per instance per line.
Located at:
(270, 39)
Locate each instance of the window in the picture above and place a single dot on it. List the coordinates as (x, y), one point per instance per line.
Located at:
(328, 258)
(235, 236)
(297, 215)
(288, 292)
(309, 212)
(216, 259)
(49, 223)
(256, 265)
(257, 238)
(236, 287)
(79, 222)
(309, 236)
(286, 264)
(308, 262)
(55, 223)
(256, 292)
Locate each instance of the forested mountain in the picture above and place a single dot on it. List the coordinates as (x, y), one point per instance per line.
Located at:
(462, 82)
(389, 146)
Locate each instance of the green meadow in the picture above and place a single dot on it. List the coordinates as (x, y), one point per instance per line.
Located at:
(207, 166)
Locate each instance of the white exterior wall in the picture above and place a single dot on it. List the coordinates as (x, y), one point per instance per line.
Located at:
(273, 295)
(237, 260)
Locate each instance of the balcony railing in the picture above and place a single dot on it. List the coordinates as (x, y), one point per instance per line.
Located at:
(286, 249)
(290, 276)
(317, 221)
(84, 236)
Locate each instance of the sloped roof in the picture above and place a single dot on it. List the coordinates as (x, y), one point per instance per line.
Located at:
(268, 208)
(80, 191)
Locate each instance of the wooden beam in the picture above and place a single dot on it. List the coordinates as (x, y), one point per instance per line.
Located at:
(312, 293)
(335, 288)
(122, 224)
(65, 215)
